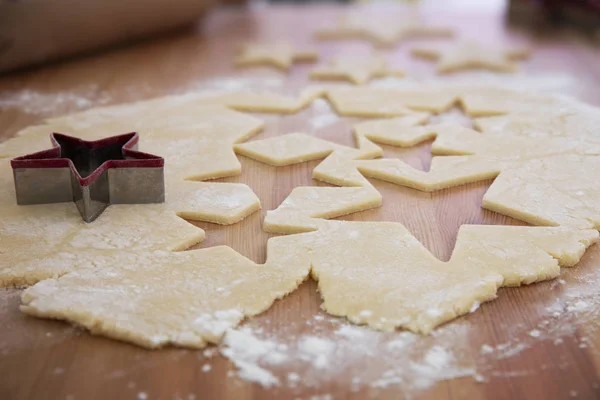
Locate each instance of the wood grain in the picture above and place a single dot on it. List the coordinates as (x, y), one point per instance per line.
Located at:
(48, 359)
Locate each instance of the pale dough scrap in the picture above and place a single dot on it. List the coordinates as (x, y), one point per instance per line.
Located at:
(304, 204)
(381, 30)
(485, 101)
(560, 122)
(219, 203)
(472, 54)
(279, 55)
(563, 190)
(295, 148)
(358, 70)
(154, 299)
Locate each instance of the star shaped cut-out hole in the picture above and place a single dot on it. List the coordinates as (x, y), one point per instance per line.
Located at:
(472, 246)
(93, 174)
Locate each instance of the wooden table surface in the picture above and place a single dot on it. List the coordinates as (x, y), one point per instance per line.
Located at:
(42, 359)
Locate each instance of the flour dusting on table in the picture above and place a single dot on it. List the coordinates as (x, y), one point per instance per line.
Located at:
(345, 353)
(360, 358)
(53, 103)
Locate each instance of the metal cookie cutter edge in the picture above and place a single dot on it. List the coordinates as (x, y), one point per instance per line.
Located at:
(51, 176)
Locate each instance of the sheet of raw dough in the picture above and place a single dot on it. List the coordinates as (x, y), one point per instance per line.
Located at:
(373, 273)
(158, 298)
(346, 257)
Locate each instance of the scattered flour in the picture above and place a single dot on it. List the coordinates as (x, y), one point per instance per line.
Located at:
(317, 359)
(86, 96)
(232, 84)
(293, 378)
(53, 103)
(246, 350)
(453, 116)
(321, 121)
(486, 349)
(436, 365)
(350, 331)
(316, 350)
(335, 350)
(214, 325)
(579, 306)
(210, 352)
(322, 115)
(535, 333)
(321, 106)
(403, 340)
(253, 373)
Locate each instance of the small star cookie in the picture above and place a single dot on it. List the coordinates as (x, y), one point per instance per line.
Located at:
(472, 54)
(381, 30)
(354, 69)
(278, 55)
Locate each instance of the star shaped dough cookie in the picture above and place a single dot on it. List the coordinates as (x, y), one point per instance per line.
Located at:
(278, 55)
(381, 30)
(354, 69)
(473, 55)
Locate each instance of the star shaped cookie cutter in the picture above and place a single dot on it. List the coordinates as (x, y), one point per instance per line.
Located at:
(93, 174)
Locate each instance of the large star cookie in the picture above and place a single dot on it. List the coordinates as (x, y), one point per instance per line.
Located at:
(472, 54)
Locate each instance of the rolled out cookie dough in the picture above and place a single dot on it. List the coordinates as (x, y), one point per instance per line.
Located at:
(373, 273)
(153, 299)
(380, 275)
(196, 141)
